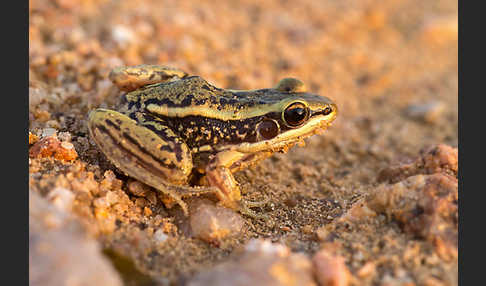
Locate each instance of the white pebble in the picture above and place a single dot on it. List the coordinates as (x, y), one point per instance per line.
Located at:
(122, 35)
(160, 236)
(67, 145)
(46, 132)
(62, 198)
(64, 136)
(428, 112)
(267, 247)
(112, 198)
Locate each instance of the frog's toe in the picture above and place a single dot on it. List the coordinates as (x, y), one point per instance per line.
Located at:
(247, 211)
(188, 191)
(257, 204)
(245, 208)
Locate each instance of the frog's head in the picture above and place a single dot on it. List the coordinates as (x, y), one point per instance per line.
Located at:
(291, 114)
(301, 109)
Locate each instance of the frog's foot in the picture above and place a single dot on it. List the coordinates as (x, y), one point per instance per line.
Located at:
(188, 191)
(242, 206)
(245, 209)
(246, 205)
(257, 204)
(229, 194)
(183, 192)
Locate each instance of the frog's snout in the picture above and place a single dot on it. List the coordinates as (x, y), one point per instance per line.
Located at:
(334, 110)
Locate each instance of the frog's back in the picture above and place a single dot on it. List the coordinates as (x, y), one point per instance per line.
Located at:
(192, 92)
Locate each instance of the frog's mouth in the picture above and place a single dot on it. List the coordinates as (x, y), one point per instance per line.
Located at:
(317, 123)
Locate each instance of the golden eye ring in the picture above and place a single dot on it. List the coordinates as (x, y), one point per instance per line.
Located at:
(296, 114)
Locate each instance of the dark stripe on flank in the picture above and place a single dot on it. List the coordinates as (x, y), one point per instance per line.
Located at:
(163, 135)
(145, 151)
(134, 103)
(162, 148)
(109, 122)
(148, 166)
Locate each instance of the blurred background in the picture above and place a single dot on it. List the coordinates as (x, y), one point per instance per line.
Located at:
(352, 51)
(391, 67)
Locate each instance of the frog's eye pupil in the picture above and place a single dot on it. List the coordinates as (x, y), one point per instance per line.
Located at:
(268, 129)
(296, 114)
(327, 111)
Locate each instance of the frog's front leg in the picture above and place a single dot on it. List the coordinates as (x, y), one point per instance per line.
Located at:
(147, 151)
(219, 173)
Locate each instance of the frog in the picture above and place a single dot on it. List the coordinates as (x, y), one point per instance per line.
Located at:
(185, 137)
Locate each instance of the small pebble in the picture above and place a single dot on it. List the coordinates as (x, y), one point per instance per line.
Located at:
(160, 236)
(213, 223)
(112, 198)
(36, 96)
(367, 270)
(64, 136)
(47, 132)
(101, 203)
(138, 189)
(67, 145)
(52, 221)
(51, 147)
(60, 250)
(307, 229)
(152, 197)
(428, 112)
(440, 31)
(330, 269)
(322, 233)
(33, 138)
(261, 263)
(147, 211)
(122, 35)
(439, 158)
(425, 206)
(61, 198)
(141, 202)
(266, 247)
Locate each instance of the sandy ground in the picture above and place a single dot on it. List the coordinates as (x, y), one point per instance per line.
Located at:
(372, 201)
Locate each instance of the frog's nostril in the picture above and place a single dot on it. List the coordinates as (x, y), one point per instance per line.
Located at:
(327, 110)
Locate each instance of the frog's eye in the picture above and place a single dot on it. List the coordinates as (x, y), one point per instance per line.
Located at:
(268, 129)
(290, 85)
(296, 114)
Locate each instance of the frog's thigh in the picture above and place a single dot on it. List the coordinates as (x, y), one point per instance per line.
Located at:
(140, 153)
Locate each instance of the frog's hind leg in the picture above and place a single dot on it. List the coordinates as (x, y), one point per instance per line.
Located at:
(159, 159)
(133, 77)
